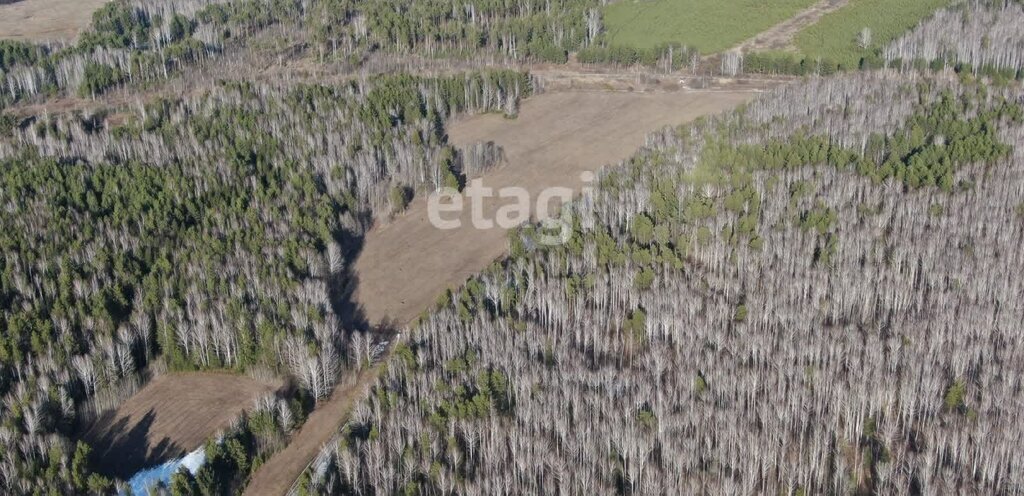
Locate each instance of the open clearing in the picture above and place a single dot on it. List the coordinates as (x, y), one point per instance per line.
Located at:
(172, 415)
(45, 20)
(835, 35)
(708, 25)
(407, 263)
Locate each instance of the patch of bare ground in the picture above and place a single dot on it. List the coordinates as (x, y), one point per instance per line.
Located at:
(174, 414)
(46, 20)
(407, 263)
(780, 36)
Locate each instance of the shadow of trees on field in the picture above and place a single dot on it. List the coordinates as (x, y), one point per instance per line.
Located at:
(121, 446)
(342, 286)
(343, 289)
(121, 451)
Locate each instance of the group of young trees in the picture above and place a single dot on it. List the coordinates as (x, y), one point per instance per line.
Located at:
(538, 30)
(212, 231)
(982, 36)
(668, 57)
(746, 306)
(127, 42)
(230, 459)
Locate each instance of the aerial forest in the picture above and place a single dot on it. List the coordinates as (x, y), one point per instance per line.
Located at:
(816, 293)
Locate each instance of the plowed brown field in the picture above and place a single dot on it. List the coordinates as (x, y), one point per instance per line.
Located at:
(172, 415)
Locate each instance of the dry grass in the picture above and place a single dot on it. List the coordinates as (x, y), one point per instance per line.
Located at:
(46, 20)
(406, 264)
(172, 415)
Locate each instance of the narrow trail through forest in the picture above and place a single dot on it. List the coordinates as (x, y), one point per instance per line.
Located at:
(407, 263)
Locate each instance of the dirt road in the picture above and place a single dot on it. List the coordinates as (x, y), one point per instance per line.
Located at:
(780, 36)
(407, 263)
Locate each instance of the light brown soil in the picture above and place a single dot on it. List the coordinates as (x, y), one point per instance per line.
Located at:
(406, 264)
(172, 415)
(780, 37)
(46, 20)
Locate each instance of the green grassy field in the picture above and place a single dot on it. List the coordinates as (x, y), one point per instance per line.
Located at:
(708, 25)
(834, 37)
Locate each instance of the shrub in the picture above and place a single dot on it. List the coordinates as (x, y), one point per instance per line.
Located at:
(97, 79)
(644, 279)
(741, 313)
(643, 229)
(400, 197)
(955, 395)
